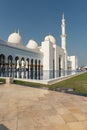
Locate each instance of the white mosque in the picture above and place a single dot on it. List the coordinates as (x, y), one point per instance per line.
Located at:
(33, 61)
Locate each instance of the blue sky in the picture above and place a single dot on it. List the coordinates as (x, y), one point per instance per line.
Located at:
(37, 18)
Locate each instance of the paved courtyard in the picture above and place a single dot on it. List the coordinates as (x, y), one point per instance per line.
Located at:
(26, 108)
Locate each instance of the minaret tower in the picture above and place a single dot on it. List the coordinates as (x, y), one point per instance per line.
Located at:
(63, 41)
(63, 35)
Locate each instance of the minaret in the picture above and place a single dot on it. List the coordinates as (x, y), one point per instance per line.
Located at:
(63, 41)
(63, 35)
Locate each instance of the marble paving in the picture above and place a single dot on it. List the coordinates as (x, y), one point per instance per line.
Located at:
(27, 108)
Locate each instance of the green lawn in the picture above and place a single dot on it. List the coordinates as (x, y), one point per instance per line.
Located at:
(31, 84)
(78, 83)
(2, 80)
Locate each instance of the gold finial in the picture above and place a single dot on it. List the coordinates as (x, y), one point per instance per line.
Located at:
(18, 31)
(32, 38)
(49, 33)
(15, 30)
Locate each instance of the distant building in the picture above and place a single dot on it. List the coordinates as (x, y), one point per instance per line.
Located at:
(72, 62)
(47, 60)
(83, 68)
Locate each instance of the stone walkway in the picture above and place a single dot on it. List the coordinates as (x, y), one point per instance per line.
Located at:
(26, 108)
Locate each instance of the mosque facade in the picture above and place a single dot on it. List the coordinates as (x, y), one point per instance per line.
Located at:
(33, 61)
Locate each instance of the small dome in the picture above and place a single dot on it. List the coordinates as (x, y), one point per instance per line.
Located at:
(32, 44)
(50, 38)
(15, 38)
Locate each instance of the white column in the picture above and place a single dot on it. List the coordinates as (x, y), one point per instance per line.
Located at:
(18, 64)
(26, 64)
(22, 67)
(26, 69)
(22, 63)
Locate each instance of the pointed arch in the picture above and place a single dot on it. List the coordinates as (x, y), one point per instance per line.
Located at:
(31, 69)
(2, 63)
(35, 69)
(39, 62)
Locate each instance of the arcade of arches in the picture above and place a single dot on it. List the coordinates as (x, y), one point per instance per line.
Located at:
(20, 67)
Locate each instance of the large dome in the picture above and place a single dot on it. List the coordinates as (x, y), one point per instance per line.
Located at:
(32, 44)
(50, 38)
(15, 39)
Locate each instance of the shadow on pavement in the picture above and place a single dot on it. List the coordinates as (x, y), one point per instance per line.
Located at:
(2, 127)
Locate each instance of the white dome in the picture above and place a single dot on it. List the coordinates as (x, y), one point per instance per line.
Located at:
(15, 38)
(50, 38)
(32, 44)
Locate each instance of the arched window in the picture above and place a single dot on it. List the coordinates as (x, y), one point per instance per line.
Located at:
(35, 69)
(2, 59)
(9, 69)
(39, 62)
(17, 63)
(53, 68)
(2, 63)
(59, 66)
(16, 58)
(31, 69)
(10, 61)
